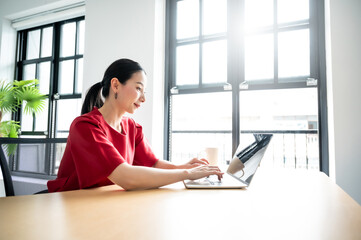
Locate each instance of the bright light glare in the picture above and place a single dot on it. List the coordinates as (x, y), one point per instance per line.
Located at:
(205, 111)
(214, 16)
(258, 13)
(187, 69)
(294, 53)
(281, 109)
(215, 62)
(294, 10)
(259, 57)
(187, 19)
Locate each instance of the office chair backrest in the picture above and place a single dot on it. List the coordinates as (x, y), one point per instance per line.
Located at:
(8, 182)
(4, 165)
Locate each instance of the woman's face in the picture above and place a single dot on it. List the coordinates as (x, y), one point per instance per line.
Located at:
(131, 94)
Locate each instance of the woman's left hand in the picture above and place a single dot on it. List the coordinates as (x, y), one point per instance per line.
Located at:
(195, 162)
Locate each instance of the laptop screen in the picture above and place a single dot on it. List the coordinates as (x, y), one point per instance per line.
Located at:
(247, 158)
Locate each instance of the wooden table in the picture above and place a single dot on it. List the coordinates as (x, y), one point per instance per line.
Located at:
(283, 205)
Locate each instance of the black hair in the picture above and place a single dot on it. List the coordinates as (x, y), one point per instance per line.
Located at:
(122, 69)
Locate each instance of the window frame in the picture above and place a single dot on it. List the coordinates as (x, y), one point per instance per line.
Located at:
(235, 71)
(53, 96)
(55, 60)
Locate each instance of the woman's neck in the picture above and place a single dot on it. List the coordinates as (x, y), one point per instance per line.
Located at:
(112, 116)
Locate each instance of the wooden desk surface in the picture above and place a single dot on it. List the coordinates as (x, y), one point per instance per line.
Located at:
(287, 205)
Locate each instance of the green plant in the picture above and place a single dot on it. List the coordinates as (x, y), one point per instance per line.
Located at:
(12, 97)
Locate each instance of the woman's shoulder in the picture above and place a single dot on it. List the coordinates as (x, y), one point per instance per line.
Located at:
(130, 122)
(94, 117)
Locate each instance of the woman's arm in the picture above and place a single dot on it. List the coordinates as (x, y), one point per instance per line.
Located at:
(195, 162)
(137, 177)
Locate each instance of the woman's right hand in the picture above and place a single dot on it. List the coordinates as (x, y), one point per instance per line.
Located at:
(204, 171)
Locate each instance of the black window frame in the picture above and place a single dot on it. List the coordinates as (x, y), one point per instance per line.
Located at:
(236, 69)
(55, 59)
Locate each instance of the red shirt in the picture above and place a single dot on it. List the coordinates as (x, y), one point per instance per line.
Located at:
(94, 149)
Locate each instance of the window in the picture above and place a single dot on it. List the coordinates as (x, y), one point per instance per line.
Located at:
(242, 67)
(53, 54)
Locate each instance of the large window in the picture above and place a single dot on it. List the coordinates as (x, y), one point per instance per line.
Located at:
(53, 54)
(239, 67)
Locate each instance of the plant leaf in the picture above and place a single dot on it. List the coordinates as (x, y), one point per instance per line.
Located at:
(10, 148)
(7, 98)
(9, 129)
(34, 100)
(23, 83)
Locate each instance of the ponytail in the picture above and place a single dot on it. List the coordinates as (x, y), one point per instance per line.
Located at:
(92, 99)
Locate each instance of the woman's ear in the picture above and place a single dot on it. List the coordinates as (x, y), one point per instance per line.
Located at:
(114, 84)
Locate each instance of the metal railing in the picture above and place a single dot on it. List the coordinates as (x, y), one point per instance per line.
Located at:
(298, 149)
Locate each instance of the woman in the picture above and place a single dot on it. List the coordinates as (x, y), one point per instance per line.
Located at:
(105, 147)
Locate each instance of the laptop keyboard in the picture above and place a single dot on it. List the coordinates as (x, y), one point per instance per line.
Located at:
(213, 180)
(227, 180)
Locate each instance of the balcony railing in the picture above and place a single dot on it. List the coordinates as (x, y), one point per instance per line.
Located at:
(297, 149)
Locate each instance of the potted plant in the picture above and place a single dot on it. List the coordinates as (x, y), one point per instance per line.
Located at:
(12, 96)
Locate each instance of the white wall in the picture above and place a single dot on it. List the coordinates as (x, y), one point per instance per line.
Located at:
(129, 29)
(343, 27)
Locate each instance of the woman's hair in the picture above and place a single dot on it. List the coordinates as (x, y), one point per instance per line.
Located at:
(121, 69)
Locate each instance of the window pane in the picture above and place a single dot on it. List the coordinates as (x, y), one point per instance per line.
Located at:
(205, 111)
(27, 121)
(33, 46)
(31, 157)
(295, 10)
(44, 77)
(41, 119)
(214, 62)
(294, 53)
(187, 19)
(185, 146)
(67, 110)
(212, 24)
(29, 72)
(66, 77)
(68, 39)
(285, 109)
(258, 13)
(47, 42)
(79, 73)
(81, 37)
(259, 57)
(187, 69)
(59, 152)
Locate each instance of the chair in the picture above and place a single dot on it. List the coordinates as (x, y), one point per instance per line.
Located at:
(8, 182)
(4, 165)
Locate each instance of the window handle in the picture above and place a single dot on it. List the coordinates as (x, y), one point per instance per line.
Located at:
(56, 96)
(311, 82)
(174, 90)
(243, 85)
(227, 87)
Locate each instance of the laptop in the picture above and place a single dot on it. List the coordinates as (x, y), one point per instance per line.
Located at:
(241, 169)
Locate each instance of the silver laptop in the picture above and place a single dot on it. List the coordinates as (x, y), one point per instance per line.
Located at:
(241, 169)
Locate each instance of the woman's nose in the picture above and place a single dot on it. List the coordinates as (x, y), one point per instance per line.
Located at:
(142, 97)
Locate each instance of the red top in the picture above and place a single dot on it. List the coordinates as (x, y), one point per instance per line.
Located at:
(94, 149)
